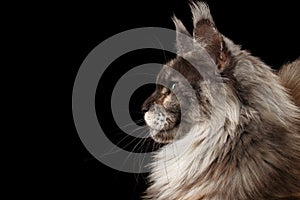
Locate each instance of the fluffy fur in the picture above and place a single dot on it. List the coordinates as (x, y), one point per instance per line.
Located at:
(290, 77)
(243, 146)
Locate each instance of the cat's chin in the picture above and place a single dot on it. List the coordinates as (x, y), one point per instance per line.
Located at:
(165, 136)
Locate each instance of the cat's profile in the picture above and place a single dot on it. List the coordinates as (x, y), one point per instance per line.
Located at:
(233, 138)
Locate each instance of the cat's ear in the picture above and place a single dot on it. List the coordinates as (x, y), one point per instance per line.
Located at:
(184, 41)
(207, 35)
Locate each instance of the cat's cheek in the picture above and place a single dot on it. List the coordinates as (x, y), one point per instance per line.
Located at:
(167, 101)
(171, 103)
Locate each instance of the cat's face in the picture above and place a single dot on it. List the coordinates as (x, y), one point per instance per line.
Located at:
(177, 103)
(182, 97)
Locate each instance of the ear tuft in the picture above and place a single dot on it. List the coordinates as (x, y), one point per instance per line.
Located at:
(207, 35)
(179, 26)
(200, 11)
(184, 41)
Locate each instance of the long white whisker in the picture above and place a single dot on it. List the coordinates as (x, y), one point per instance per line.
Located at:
(162, 47)
(165, 160)
(133, 123)
(127, 157)
(135, 138)
(144, 155)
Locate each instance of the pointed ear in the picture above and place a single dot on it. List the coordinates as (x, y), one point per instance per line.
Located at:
(184, 41)
(206, 33)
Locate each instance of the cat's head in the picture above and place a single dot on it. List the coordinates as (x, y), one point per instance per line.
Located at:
(183, 92)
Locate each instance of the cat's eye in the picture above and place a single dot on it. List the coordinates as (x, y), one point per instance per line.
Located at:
(172, 85)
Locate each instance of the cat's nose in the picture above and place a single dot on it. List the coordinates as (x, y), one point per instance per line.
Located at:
(145, 108)
(147, 104)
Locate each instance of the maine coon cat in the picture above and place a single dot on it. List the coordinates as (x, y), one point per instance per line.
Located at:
(236, 136)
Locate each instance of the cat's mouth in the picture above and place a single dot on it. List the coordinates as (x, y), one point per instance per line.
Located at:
(163, 125)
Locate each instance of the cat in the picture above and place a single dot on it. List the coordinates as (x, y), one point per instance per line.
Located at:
(234, 139)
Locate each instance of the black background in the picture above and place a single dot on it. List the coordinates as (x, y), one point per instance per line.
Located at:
(269, 31)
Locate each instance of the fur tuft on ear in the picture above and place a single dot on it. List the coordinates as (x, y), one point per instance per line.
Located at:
(200, 11)
(184, 41)
(207, 35)
(179, 26)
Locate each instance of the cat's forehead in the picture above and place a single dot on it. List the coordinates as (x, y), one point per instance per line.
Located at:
(179, 64)
(171, 68)
(180, 68)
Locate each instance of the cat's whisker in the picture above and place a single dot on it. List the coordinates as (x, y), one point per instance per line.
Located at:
(132, 123)
(141, 162)
(127, 157)
(175, 151)
(161, 47)
(127, 136)
(143, 143)
(165, 163)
